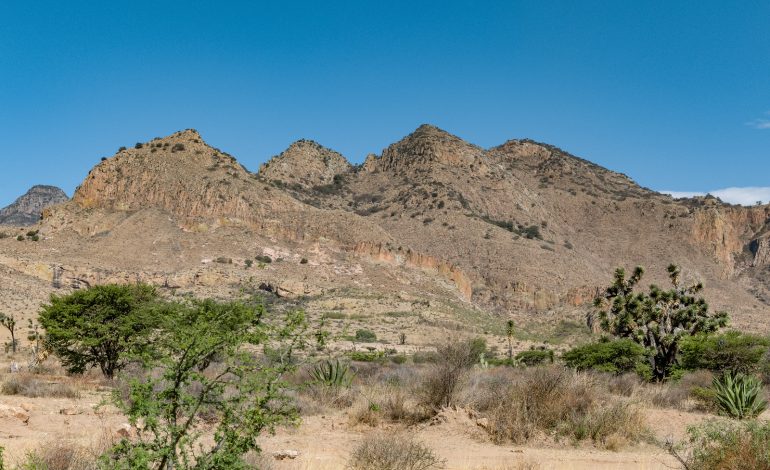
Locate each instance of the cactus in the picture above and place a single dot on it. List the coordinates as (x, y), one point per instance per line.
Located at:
(332, 373)
(739, 395)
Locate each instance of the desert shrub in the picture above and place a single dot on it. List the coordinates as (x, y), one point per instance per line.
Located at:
(264, 259)
(367, 356)
(535, 357)
(20, 238)
(97, 326)
(717, 445)
(738, 395)
(367, 336)
(399, 359)
(616, 357)
(3, 235)
(560, 401)
(202, 369)
(30, 386)
(693, 388)
(442, 379)
(177, 147)
(224, 260)
(303, 261)
(392, 452)
(731, 351)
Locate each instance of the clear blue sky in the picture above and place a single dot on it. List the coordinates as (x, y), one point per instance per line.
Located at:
(674, 94)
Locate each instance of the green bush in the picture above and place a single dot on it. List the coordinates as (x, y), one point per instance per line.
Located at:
(739, 395)
(202, 372)
(731, 351)
(617, 357)
(371, 356)
(366, 336)
(534, 357)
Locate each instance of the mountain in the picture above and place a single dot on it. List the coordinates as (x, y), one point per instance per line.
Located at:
(451, 232)
(27, 209)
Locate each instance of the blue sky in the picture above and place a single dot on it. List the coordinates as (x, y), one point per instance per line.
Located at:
(674, 94)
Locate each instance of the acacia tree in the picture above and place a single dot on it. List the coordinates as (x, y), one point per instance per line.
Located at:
(96, 326)
(204, 367)
(657, 320)
(9, 322)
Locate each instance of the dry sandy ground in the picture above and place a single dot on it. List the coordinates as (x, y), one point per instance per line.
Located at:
(325, 442)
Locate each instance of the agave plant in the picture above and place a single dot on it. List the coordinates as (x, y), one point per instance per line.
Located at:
(739, 395)
(332, 373)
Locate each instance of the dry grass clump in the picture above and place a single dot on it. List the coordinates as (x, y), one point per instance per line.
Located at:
(29, 385)
(393, 452)
(560, 402)
(444, 377)
(719, 445)
(688, 393)
(61, 456)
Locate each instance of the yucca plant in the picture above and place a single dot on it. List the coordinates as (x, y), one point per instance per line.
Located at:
(739, 395)
(332, 373)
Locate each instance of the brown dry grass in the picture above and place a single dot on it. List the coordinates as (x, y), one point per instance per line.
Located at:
(34, 386)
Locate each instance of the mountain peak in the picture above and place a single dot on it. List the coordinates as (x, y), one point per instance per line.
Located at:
(27, 209)
(305, 163)
(429, 145)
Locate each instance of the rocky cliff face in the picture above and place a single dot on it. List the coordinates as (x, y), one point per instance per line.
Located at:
(28, 209)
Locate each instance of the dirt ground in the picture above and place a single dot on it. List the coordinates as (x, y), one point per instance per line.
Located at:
(325, 441)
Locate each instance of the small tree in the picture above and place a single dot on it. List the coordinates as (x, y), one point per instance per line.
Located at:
(657, 320)
(204, 365)
(9, 322)
(97, 326)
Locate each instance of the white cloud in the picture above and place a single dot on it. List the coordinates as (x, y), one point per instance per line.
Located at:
(759, 123)
(744, 196)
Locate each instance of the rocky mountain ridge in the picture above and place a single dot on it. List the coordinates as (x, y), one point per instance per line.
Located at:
(523, 228)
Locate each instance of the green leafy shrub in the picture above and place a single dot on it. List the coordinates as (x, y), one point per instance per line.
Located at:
(739, 395)
(370, 356)
(731, 351)
(202, 369)
(616, 357)
(332, 373)
(365, 336)
(534, 357)
(98, 326)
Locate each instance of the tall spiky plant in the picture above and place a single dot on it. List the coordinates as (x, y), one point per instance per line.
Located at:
(509, 334)
(739, 395)
(657, 320)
